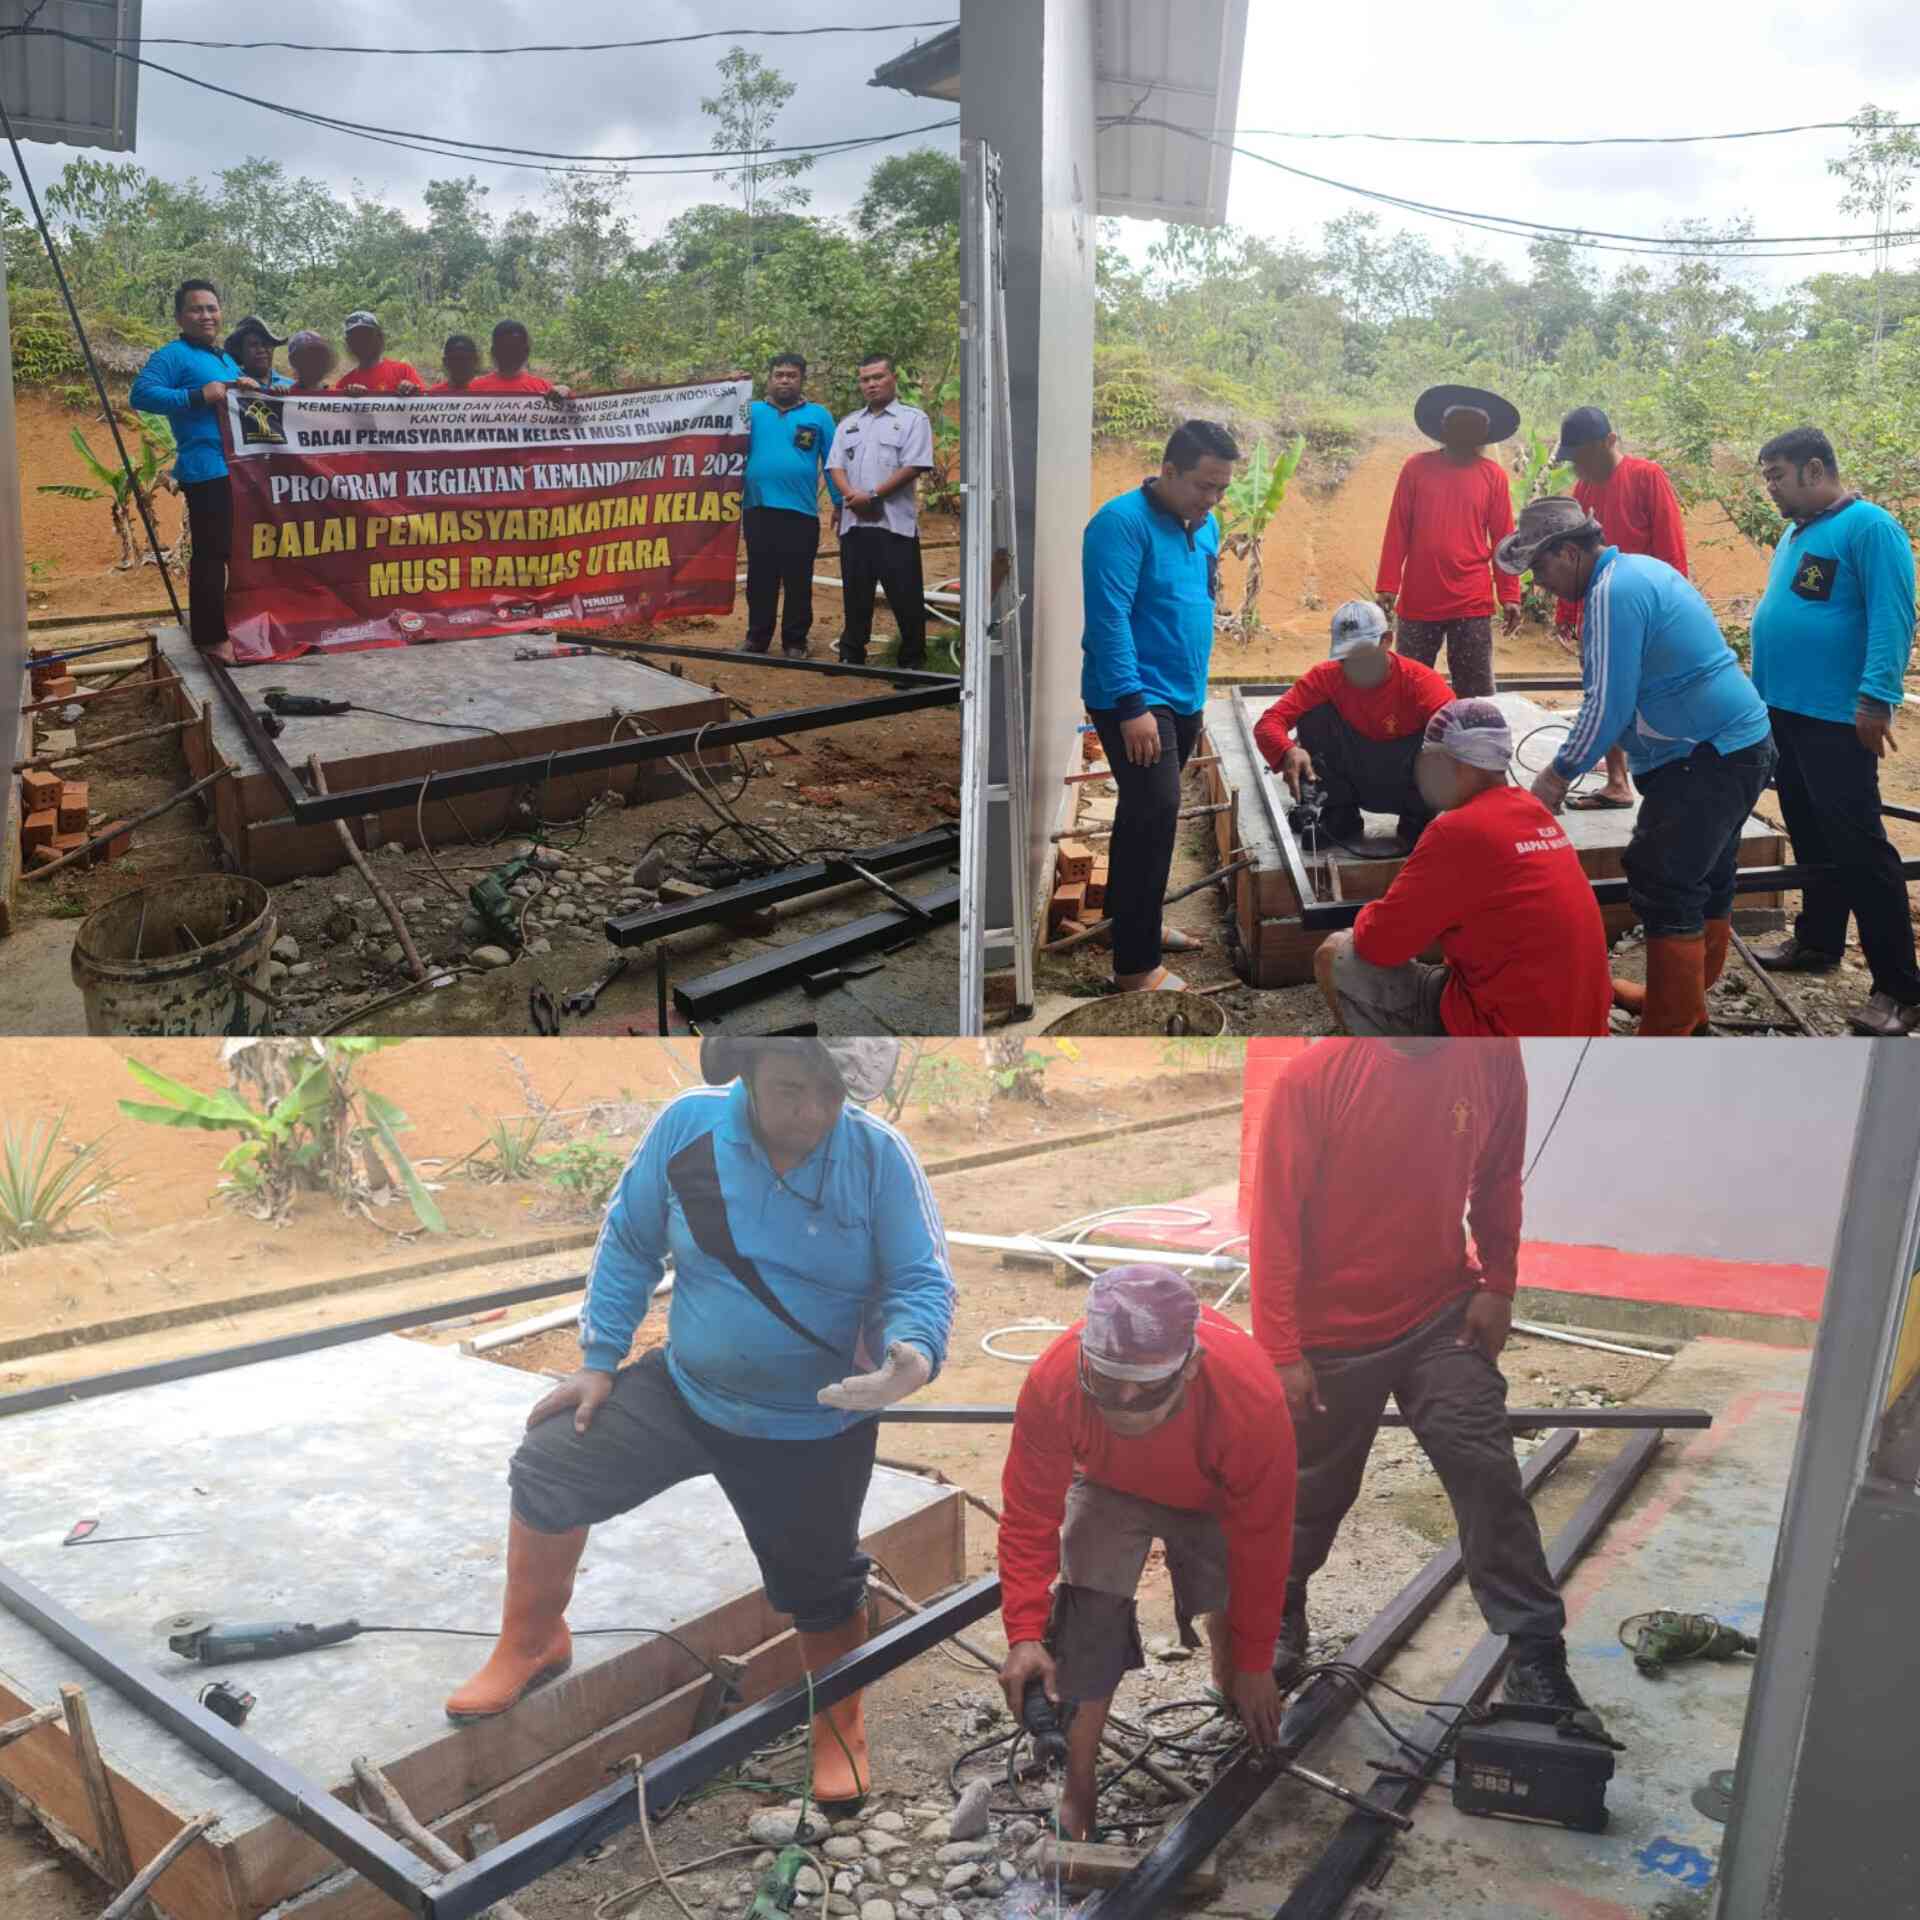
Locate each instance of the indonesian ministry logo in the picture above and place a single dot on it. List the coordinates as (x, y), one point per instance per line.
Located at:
(260, 422)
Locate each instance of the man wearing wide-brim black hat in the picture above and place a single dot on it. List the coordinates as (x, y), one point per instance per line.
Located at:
(1451, 509)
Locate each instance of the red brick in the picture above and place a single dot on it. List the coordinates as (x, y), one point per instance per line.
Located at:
(58, 687)
(1073, 863)
(73, 807)
(38, 829)
(1096, 885)
(43, 856)
(120, 844)
(1068, 903)
(40, 791)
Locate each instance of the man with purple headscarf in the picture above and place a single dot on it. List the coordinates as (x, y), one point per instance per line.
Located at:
(1153, 1418)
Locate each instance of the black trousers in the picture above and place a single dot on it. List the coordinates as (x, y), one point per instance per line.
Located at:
(210, 523)
(781, 546)
(1356, 772)
(1830, 802)
(873, 558)
(1145, 822)
(797, 1501)
(1455, 1400)
(1685, 848)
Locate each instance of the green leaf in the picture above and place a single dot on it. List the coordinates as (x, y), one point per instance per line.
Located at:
(387, 1120)
(72, 490)
(214, 1111)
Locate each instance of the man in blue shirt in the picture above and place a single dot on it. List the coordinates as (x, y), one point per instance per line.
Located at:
(187, 381)
(1831, 640)
(251, 347)
(1662, 683)
(1150, 567)
(780, 506)
(811, 1288)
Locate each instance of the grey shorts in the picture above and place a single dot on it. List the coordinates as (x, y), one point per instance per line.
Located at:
(1385, 1003)
(1094, 1634)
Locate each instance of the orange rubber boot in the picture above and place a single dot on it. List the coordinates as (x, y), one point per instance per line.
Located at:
(1676, 986)
(1719, 938)
(534, 1643)
(842, 1775)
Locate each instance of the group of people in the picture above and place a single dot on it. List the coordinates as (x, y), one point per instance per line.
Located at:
(871, 461)
(1491, 879)
(812, 1290)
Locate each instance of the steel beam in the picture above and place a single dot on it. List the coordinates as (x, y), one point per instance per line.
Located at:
(749, 896)
(1349, 1856)
(565, 1835)
(1519, 1419)
(768, 972)
(1270, 802)
(1153, 1886)
(394, 1869)
(309, 809)
(833, 669)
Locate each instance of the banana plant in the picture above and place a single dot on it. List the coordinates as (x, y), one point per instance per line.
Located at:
(1247, 511)
(157, 450)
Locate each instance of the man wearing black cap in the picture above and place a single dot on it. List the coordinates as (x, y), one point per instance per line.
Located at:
(1639, 512)
(1450, 510)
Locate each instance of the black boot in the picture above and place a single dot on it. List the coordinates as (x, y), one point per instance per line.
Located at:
(1290, 1649)
(1537, 1676)
(1342, 823)
(1410, 826)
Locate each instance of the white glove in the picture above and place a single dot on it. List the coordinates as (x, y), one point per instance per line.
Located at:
(907, 1370)
(1550, 789)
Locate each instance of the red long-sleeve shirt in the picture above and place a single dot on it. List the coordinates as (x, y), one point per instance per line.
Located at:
(1401, 704)
(1497, 884)
(1639, 512)
(1368, 1162)
(1437, 554)
(1227, 1450)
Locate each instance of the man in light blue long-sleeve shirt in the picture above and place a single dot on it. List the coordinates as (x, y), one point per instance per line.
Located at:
(187, 381)
(790, 437)
(1831, 640)
(1150, 571)
(1662, 683)
(811, 1288)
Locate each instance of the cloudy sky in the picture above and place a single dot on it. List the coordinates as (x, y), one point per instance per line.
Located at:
(640, 101)
(1569, 68)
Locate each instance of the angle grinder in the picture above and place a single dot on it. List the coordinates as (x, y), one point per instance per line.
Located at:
(211, 1643)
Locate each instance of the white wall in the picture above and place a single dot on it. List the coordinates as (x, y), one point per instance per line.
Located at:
(1731, 1149)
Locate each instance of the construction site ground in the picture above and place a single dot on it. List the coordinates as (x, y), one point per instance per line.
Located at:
(925, 1715)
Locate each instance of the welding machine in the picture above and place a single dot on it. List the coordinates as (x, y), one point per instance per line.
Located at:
(1534, 1763)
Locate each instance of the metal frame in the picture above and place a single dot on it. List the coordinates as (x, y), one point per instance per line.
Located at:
(1322, 1892)
(1271, 805)
(309, 809)
(781, 662)
(1519, 1419)
(1155, 1882)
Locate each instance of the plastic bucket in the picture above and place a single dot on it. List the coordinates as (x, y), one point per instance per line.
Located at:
(168, 958)
(1115, 1014)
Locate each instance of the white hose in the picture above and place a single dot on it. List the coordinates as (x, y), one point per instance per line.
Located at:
(1018, 1326)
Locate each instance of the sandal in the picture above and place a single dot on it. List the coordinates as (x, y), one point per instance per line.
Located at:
(1172, 940)
(1597, 803)
(1161, 981)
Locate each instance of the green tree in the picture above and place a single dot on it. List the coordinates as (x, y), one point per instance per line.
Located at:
(912, 197)
(745, 113)
(1878, 174)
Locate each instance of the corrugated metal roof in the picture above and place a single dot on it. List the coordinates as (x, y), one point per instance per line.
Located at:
(1173, 60)
(68, 95)
(930, 69)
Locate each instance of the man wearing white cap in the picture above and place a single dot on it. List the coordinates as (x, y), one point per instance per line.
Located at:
(1153, 1418)
(372, 371)
(1497, 886)
(1353, 725)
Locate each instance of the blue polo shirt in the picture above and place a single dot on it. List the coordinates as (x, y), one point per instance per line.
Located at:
(170, 384)
(1148, 584)
(849, 1242)
(1836, 620)
(787, 458)
(1660, 678)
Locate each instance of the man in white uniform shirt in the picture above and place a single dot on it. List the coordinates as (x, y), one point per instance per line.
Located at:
(878, 456)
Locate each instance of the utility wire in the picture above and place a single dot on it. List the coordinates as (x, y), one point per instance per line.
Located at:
(1592, 140)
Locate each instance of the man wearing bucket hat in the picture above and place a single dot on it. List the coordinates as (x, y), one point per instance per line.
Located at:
(1497, 886)
(1353, 725)
(1152, 1418)
(1661, 680)
(1639, 512)
(372, 371)
(1451, 508)
(1374, 1162)
(252, 344)
(811, 1289)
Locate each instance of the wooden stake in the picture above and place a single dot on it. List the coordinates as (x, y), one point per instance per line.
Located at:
(119, 827)
(100, 746)
(1233, 866)
(374, 1785)
(1106, 773)
(379, 892)
(110, 1835)
(134, 1900)
(1101, 833)
(19, 1729)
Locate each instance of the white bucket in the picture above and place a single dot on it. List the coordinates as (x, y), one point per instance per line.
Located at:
(167, 959)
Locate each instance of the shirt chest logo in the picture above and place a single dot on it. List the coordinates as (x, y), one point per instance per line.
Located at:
(1814, 576)
(806, 438)
(1462, 1113)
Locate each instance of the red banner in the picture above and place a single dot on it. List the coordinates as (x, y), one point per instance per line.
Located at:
(363, 521)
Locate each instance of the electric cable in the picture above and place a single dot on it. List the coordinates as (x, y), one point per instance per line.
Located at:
(1590, 140)
(447, 726)
(579, 1633)
(1565, 1095)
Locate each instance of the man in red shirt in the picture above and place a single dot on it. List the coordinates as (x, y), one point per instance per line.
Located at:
(1358, 718)
(1370, 1158)
(372, 371)
(1151, 1419)
(460, 362)
(1496, 884)
(512, 348)
(1450, 510)
(1639, 512)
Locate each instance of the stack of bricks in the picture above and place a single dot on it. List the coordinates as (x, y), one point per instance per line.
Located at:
(52, 681)
(1067, 911)
(53, 821)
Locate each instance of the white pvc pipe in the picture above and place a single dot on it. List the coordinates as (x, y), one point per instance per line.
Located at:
(1073, 1252)
(543, 1322)
(932, 595)
(1583, 1340)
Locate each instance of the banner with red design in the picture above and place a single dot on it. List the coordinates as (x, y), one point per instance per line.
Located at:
(368, 521)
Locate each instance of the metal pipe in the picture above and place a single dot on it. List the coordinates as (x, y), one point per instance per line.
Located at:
(1519, 1419)
(1093, 1249)
(835, 669)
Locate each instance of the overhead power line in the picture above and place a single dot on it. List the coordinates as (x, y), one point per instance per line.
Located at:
(1590, 140)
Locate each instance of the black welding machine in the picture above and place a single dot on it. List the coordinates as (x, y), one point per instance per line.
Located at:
(1534, 1763)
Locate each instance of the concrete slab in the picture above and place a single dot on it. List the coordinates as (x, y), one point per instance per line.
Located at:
(360, 1482)
(1698, 1535)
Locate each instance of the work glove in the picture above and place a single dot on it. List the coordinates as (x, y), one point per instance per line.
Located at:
(906, 1371)
(1550, 789)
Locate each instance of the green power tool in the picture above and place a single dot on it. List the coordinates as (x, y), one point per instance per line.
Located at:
(496, 907)
(1663, 1638)
(779, 1885)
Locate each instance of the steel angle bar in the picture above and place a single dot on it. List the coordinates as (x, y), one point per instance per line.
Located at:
(1154, 1884)
(1265, 785)
(394, 1869)
(768, 972)
(191, 1366)
(733, 657)
(748, 896)
(1322, 1892)
(517, 1863)
(1519, 1419)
